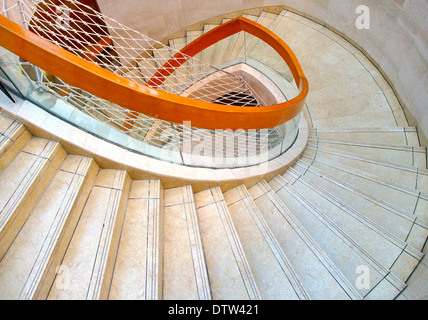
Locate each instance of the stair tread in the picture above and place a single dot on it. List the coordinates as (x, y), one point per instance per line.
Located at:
(13, 136)
(307, 258)
(137, 271)
(185, 273)
(338, 244)
(397, 136)
(399, 221)
(401, 155)
(19, 179)
(35, 242)
(230, 274)
(393, 192)
(392, 252)
(275, 277)
(94, 242)
(406, 175)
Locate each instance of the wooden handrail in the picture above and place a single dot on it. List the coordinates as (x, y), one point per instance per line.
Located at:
(156, 103)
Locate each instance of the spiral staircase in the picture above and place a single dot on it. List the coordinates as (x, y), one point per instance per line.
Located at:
(348, 220)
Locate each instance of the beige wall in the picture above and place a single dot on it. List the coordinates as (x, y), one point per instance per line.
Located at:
(397, 39)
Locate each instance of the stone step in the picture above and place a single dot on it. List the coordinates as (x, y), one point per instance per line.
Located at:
(413, 201)
(86, 268)
(272, 20)
(397, 136)
(196, 67)
(185, 273)
(22, 183)
(13, 137)
(231, 277)
(275, 277)
(33, 255)
(184, 73)
(138, 268)
(162, 56)
(402, 155)
(318, 274)
(265, 19)
(405, 175)
(237, 42)
(222, 48)
(209, 53)
(390, 251)
(347, 254)
(147, 67)
(399, 221)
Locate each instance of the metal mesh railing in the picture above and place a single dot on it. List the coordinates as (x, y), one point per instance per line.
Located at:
(80, 29)
(89, 34)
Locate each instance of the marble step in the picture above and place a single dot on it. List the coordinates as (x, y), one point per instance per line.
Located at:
(273, 272)
(267, 55)
(271, 21)
(22, 183)
(178, 43)
(317, 272)
(412, 201)
(196, 68)
(237, 42)
(35, 253)
(408, 176)
(13, 137)
(86, 267)
(231, 276)
(147, 67)
(399, 221)
(352, 259)
(397, 136)
(184, 74)
(265, 19)
(162, 56)
(138, 268)
(221, 48)
(407, 155)
(185, 272)
(390, 251)
(208, 55)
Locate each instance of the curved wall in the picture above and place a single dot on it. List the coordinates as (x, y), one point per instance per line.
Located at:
(397, 40)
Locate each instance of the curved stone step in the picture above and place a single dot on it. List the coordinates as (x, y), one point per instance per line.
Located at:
(400, 222)
(272, 22)
(275, 277)
(307, 258)
(231, 276)
(250, 42)
(393, 253)
(13, 137)
(236, 43)
(397, 136)
(209, 53)
(36, 248)
(162, 56)
(350, 257)
(408, 176)
(138, 268)
(185, 271)
(401, 155)
(22, 183)
(222, 48)
(413, 201)
(86, 268)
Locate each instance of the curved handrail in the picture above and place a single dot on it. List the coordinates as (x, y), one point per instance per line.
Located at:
(156, 103)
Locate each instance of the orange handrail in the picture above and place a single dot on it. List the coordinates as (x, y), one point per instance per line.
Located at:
(156, 103)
